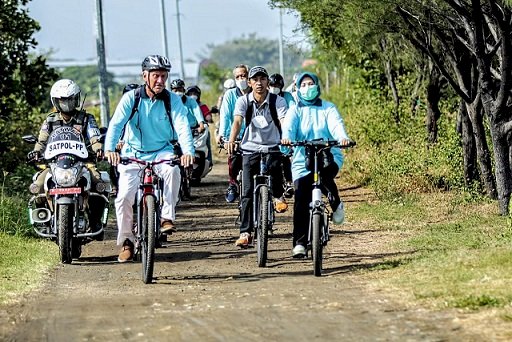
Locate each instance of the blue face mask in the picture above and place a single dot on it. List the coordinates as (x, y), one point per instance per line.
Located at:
(309, 93)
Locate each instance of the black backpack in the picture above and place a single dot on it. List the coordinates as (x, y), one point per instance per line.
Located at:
(135, 107)
(273, 111)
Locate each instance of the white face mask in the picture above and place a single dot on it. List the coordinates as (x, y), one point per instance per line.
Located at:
(275, 90)
(194, 97)
(179, 93)
(241, 84)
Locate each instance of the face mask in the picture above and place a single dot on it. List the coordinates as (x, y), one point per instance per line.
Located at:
(179, 93)
(241, 84)
(309, 93)
(275, 90)
(194, 97)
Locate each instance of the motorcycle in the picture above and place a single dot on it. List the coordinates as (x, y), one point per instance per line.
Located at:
(202, 166)
(63, 213)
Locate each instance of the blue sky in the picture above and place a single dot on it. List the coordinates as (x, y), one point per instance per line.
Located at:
(133, 27)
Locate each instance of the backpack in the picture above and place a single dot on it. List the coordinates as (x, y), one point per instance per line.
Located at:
(135, 108)
(273, 111)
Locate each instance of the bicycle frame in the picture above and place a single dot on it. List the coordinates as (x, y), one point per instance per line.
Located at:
(262, 180)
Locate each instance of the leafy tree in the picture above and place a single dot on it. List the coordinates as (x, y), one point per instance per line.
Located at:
(24, 81)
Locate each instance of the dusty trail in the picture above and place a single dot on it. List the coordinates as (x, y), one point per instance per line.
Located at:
(207, 290)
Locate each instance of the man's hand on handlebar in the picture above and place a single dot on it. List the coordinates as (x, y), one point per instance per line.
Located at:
(112, 157)
(187, 160)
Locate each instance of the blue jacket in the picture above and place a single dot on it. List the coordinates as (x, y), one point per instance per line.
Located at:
(149, 131)
(195, 116)
(227, 110)
(309, 122)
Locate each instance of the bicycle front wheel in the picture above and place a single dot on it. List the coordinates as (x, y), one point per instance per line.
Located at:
(262, 230)
(316, 243)
(148, 238)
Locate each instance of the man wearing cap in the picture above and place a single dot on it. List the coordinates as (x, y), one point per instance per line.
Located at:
(262, 134)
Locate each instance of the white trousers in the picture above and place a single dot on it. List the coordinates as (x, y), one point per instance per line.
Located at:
(129, 180)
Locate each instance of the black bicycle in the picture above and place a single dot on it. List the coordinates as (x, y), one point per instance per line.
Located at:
(263, 207)
(148, 203)
(318, 234)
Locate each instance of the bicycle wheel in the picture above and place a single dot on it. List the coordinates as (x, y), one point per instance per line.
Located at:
(316, 243)
(148, 239)
(262, 229)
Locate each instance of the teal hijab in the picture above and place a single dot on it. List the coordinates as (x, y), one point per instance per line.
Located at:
(309, 102)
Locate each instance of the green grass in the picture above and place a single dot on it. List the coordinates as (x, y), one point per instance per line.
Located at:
(462, 252)
(23, 263)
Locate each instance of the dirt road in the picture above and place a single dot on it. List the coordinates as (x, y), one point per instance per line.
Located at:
(207, 290)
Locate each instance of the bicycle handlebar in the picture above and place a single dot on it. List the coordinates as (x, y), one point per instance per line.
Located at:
(321, 143)
(129, 160)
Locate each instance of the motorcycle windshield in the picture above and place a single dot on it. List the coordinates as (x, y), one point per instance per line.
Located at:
(65, 140)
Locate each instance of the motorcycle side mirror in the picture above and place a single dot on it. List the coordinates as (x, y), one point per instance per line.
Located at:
(29, 139)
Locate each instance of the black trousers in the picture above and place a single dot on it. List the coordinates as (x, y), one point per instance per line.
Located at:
(303, 188)
(251, 167)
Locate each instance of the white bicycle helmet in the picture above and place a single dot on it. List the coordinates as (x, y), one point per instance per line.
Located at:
(65, 95)
(229, 83)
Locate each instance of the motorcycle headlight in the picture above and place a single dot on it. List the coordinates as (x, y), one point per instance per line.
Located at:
(65, 177)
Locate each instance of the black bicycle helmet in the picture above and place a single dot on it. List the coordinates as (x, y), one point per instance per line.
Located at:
(156, 62)
(276, 80)
(193, 90)
(177, 83)
(129, 87)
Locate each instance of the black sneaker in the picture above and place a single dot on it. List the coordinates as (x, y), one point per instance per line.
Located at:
(231, 193)
(289, 190)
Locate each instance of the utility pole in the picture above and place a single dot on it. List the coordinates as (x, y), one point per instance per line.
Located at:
(102, 66)
(179, 39)
(281, 59)
(164, 34)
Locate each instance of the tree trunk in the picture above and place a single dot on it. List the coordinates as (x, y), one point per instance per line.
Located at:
(482, 149)
(468, 146)
(390, 76)
(433, 112)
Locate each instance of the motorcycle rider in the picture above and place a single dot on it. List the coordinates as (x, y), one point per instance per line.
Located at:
(147, 136)
(65, 97)
(194, 92)
(275, 86)
(262, 133)
(240, 73)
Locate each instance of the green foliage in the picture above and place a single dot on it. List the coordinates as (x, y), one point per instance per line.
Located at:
(24, 80)
(11, 219)
(213, 76)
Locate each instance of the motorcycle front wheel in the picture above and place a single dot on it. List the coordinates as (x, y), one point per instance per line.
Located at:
(65, 231)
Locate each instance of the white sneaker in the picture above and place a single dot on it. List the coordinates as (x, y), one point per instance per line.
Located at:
(299, 251)
(339, 215)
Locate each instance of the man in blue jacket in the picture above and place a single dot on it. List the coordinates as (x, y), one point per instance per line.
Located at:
(147, 134)
(227, 108)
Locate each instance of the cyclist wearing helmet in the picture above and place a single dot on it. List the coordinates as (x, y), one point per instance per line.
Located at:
(227, 108)
(195, 117)
(65, 97)
(275, 86)
(159, 117)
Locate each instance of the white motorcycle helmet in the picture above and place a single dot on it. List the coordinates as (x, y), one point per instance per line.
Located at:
(65, 96)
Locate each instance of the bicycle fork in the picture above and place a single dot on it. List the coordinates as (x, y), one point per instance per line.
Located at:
(318, 207)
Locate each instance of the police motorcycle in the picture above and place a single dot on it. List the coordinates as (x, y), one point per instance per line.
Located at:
(63, 212)
(202, 165)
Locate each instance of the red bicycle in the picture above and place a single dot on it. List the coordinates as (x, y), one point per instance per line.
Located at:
(148, 204)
